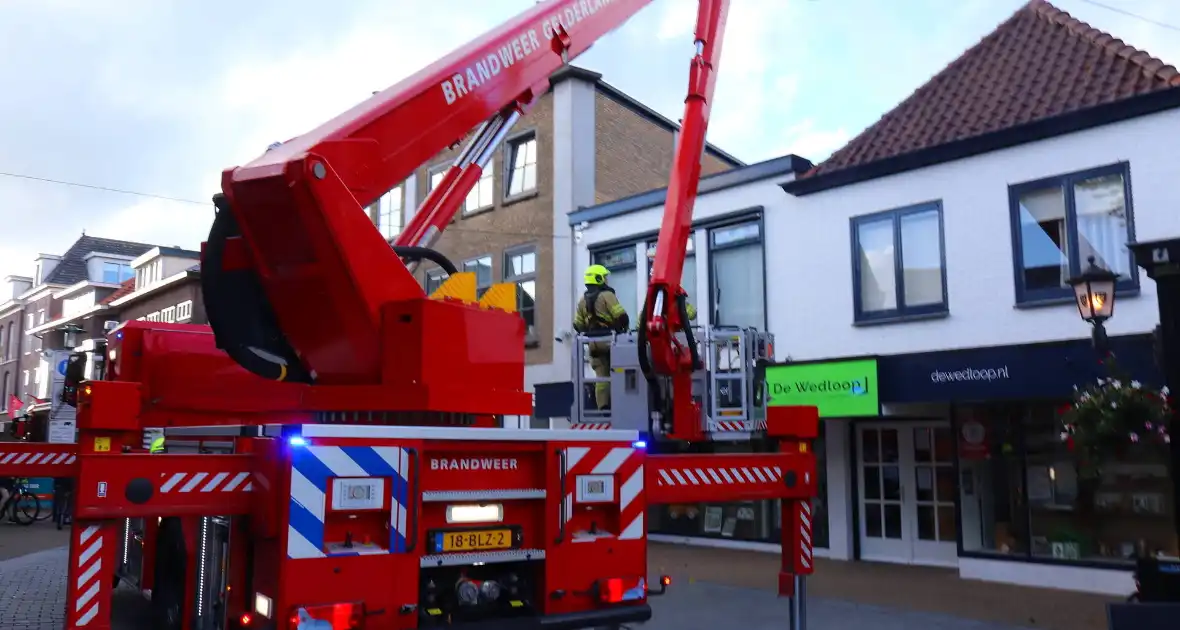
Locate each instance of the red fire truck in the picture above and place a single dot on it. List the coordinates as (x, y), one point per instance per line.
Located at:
(336, 457)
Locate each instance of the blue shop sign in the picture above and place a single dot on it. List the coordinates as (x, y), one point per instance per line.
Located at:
(1045, 371)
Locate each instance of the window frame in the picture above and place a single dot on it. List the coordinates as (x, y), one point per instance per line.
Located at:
(434, 274)
(488, 174)
(510, 147)
(711, 229)
(901, 312)
(479, 290)
(385, 212)
(118, 267)
(1125, 286)
(531, 338)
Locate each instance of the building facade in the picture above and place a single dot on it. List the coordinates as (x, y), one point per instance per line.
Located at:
(583, 143)
(928, 262)
(12, 318)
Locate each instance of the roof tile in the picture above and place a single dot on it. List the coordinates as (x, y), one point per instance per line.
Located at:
(1040, 63)
(125, 289)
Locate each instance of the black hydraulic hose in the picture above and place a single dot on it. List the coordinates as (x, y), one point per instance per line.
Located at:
(242, 320)
(693, 350)
(413, 252)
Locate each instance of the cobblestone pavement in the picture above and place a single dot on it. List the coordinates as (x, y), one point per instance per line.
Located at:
(32, 597)
(33, 594)
(705, 606)
(890, 587)
(18, 540)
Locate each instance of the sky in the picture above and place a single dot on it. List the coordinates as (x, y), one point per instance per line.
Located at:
(158, 96)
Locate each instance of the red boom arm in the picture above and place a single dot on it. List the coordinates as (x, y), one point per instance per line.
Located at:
(327, 274)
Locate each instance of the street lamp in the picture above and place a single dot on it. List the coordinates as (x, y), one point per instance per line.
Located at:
(1094, 291)
(70, 335)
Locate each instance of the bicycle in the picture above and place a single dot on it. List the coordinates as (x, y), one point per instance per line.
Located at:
(23, 506)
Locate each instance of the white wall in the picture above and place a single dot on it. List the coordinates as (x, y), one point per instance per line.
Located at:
(573, 187)
(809, 255)
(766, 193)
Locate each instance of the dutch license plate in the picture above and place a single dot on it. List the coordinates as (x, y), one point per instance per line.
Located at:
(476, 540)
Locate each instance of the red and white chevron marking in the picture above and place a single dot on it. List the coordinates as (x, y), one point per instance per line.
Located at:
(20, 457)
(706, 476)
(804, 517)
(626, 464)
(206, 482)
(730, 425)
(90, 574)
(590, 426)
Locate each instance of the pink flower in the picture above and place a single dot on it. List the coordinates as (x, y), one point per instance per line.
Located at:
(1134, 437)
(1147, 425)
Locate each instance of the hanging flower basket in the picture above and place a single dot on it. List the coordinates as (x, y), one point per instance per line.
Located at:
(1112, 415)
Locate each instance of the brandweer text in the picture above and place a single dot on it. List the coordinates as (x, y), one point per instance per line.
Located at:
(517, 48)
(474, 463)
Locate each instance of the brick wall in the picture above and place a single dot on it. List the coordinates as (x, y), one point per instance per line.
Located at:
(634, 154)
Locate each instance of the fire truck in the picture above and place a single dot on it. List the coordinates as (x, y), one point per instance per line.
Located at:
(336, 451)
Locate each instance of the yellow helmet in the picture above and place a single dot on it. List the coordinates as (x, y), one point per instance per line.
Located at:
(596, 274)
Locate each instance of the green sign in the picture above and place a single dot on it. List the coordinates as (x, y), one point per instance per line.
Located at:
(840, 389)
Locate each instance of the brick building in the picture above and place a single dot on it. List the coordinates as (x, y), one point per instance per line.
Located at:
(583, 143)
(41, 313)
(12, 317)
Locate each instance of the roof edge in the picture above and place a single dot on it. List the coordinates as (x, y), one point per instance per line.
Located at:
(1037, 130)
(622, 98)
(789, 164)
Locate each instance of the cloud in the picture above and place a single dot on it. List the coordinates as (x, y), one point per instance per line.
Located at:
(159, 97)
(805, 140)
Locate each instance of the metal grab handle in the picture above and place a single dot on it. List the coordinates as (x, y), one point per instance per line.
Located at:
(414, 499)
(561, 458)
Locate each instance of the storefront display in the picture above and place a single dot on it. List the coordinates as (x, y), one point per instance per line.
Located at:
(748, 521)
(1023, 496)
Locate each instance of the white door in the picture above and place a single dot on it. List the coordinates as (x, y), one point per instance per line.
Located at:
(883, 532)
(905, 473)
(933, 480)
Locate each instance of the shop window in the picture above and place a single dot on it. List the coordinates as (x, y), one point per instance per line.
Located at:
(737, 281)
(520, 268)
(898, 263)
(688, 275)
(1020, 493)
(623, 278)
(482, 268)
(1059, 222)
(749, 521)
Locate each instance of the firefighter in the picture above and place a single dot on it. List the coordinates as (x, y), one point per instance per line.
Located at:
(599, 312)
(157, 445)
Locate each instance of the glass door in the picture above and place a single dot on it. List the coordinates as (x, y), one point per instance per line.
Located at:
(884, 530)
(934, 483)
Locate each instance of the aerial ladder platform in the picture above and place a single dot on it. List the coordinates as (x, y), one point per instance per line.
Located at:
(336, 457)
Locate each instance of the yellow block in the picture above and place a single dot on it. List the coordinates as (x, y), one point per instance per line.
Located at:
(102, 445)
(501, 297)
(460, 286)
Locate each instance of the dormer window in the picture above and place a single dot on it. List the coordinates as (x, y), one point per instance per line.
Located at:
(116, 273)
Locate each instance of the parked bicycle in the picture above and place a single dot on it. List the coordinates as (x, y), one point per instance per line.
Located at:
(23, 507)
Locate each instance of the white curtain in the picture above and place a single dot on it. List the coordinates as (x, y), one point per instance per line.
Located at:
(1102, 223)
(738, 286)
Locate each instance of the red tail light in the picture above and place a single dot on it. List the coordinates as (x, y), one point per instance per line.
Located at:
(618, 590)
(349, 616)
